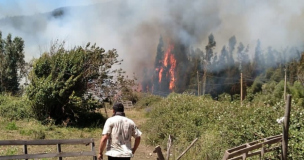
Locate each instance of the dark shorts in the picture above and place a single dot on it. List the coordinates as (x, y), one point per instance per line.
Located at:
(119, 158)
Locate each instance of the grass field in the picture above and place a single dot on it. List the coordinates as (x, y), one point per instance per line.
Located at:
(32, 129)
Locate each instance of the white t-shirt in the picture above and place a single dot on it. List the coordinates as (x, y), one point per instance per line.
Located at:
(120, 129)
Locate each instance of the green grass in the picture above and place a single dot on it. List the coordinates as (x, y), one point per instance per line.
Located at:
(11, 126)
(32, 129)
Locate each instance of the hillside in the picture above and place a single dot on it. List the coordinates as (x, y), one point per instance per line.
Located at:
(38, 23)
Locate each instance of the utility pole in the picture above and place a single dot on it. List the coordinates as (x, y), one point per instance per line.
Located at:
(286, 127)
(241, 81)
(285, 83)
(198, 86)
(241, 89)
(205, 77)
(204, 82)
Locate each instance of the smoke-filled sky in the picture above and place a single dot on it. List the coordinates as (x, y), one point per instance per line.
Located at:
(133, 27)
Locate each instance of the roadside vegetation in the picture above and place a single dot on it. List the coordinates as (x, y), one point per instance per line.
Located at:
(69, 89)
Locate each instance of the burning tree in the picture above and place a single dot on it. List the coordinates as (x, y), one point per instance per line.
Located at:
(170, 73)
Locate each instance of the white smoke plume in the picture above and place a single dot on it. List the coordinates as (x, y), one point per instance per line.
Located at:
(133, 27)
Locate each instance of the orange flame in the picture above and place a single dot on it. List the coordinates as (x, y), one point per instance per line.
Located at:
(166, 59)
(167, 55)
(168, 66)
(160, 74)
(172, 72)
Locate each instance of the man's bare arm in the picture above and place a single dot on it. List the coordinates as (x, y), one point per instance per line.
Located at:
(136, 144)
(102, 146)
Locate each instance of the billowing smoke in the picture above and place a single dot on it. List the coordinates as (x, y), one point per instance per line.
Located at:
(133, 27)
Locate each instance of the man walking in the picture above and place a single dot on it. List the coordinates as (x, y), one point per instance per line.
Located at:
(116, 135)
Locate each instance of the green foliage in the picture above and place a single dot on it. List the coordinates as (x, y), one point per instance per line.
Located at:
(90, 119)
(218, 125)
(11, 63)
(297, 90)
(60, 78)
(11, 126)
(277, 75)
(257, 85)
(26, 132)
(148, 100)
(296, 133)
(14, 108)
(224, 97)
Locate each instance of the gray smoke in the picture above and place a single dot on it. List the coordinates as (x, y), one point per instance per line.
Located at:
(133, 27)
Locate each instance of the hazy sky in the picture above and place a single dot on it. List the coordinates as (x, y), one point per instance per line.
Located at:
(133, 27)
(29, 7)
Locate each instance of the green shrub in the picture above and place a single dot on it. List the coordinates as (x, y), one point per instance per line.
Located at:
(60, 80)
(218, 125)
(148, 100)
(296, 133)
(14, 108)
(224, 97)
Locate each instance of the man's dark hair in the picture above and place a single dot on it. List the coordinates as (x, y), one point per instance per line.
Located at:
(119, 109)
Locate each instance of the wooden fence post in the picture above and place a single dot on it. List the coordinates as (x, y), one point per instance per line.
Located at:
(159, 153)
(25, 149)
(286, 128)
(93, 149)
(59, 154)
(59, 150)
(169, 144)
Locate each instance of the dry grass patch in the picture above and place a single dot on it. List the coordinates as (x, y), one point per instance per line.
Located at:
(32, 129)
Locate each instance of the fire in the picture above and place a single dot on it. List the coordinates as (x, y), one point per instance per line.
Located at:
(172, 71)
(167, 68)
(167, 55)
(160, 74)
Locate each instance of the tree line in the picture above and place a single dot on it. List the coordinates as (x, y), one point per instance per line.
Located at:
(210, 72)
(64, 84)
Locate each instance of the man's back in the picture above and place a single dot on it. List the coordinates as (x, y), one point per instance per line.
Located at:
(120, 129)
(116, 136)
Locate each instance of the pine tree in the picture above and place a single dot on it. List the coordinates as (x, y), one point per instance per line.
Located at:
(258, 61)
(157, 66)
(223, 58)
(209, 54)
(269, 58)
(232, 70)
(232, 43)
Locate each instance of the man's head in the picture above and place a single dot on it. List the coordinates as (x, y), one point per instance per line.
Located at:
(118, 109)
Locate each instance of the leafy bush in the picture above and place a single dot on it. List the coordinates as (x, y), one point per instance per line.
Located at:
(296, 132)
(218, 125)
(297, 90)
(224, 97)
(148, 100)
(59, 81)
(14, 108)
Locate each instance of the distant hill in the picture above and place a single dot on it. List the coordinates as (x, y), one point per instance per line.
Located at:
(33, 23)
(37, 23)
